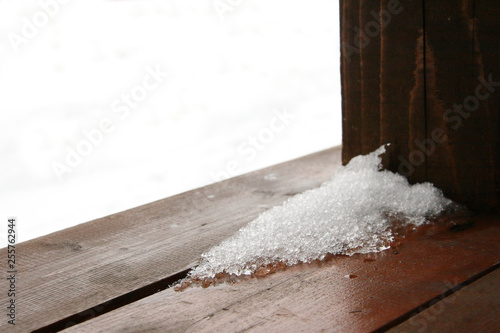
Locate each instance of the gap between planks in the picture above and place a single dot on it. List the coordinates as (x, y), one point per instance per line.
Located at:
(389, 285)
(78, 270)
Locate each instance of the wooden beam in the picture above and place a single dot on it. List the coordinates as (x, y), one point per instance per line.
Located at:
(416, 84)
(370, 80)
(462, 50)
(382, 78)
(402, 82)
(351, 82)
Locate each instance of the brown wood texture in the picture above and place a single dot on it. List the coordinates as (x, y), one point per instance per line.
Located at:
(383, 287)
(351, 84)
(475, 308)
(415, 84)
(463, 44)
(402, 83)
(382, 78)
(70, 271)
(370, 80)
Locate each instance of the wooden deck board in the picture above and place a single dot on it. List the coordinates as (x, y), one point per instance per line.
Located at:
(70, 271)
(321, 299)
(475, 308)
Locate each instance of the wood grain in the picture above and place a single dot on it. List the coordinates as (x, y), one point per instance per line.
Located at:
(370, 79)
(415, 85)
(402, 111)
(308, 298)
(351, 82)
(461, 47)
(75, 269)
(383, 84)
(475, 308)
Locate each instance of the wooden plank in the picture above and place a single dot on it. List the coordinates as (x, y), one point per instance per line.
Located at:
(475, 308)
(320, 298)
(402, 111)
(383, 79)
(70, 271)
(427, 65)
(370, 75)
(488, 42)
(461, 47)
(351, 80)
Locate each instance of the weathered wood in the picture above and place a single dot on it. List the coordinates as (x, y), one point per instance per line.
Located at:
(426, 65)
(309, 298)
(464, 165)
(351, 87)
(70, 271)
(488, 41)
(370, 80)
(402, 83)
(475, 308)
(383, 86)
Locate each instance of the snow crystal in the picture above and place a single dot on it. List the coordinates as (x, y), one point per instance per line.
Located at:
(353, 212)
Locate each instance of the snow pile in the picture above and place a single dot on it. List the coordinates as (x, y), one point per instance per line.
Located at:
(351, 213)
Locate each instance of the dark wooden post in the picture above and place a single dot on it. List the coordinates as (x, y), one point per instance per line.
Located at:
(425, 76)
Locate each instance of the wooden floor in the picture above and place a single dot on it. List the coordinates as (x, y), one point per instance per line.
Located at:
(112, 274)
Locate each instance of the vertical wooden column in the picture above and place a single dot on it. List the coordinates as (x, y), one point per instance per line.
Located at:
(351, 84)
(425, 76)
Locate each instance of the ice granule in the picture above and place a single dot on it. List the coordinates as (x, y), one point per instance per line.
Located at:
(353, 212)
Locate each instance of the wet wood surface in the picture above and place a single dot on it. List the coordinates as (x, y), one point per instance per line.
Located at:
(362, 293)
(475, 308)
(78, 273)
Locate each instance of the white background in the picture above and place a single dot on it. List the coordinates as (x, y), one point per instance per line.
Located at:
(227, 78)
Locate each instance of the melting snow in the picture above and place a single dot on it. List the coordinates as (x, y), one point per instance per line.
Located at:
(353, 212)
